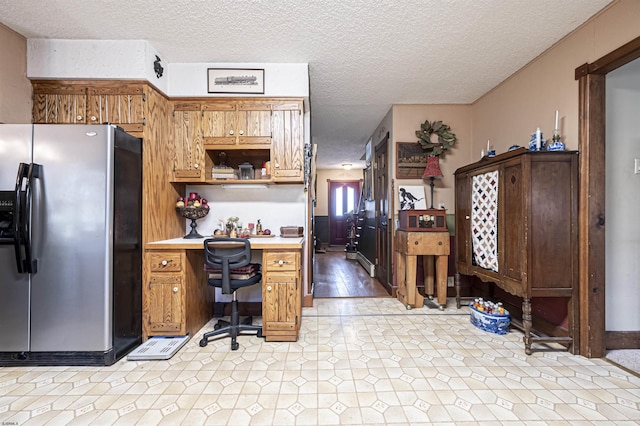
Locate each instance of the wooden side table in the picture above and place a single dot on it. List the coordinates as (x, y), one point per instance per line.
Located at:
(430, 245)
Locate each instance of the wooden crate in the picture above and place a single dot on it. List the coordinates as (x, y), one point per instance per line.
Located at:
(430, 220)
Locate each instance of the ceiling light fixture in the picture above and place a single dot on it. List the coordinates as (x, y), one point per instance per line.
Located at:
(346, 166)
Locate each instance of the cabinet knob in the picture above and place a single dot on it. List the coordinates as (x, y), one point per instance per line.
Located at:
(94, 118)
(467, 217)
(269, 288)
(175, 289)
(280, 262)
(241, 132)
(277, 165)
(195, 166)
(78, 117)
(166, 262)
(231, 132)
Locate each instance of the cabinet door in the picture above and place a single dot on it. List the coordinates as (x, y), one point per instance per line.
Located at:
(189, 151)
(164, 304)
(60, 108)
(119, 104)
(254, 123)
(463, 222)
(287, 149)
(219, 123)
(280, 304)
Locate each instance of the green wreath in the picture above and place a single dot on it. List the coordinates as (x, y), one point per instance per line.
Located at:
(446, 138)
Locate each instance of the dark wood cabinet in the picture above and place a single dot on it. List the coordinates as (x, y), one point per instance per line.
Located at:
(533, 241)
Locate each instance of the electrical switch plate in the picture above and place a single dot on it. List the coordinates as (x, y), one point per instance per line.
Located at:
(636, 166)
(449, 281)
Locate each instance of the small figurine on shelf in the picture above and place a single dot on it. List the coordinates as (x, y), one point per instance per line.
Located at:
(259, 228)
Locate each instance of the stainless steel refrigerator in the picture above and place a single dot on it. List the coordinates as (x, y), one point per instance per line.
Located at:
(70, 244)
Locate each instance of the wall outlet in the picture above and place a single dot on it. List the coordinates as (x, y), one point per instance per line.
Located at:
(450, 282)
(636, 166)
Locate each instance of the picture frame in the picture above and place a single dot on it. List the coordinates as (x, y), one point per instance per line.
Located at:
(411, 160)
(411, 197)
(235, 80)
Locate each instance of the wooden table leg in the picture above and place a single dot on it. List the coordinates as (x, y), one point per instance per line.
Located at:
(441, 280)
(401, 292)
(429, 275)
(410, 274)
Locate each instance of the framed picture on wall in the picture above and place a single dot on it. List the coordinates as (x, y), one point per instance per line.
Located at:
(411, 159)
(235, 80)
(411, 197)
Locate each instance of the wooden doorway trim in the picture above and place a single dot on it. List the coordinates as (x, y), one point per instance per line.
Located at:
(591, 217)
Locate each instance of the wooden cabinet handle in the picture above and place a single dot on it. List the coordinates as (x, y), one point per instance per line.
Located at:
(231, 132)
(280, 262)
(175, 289)
(166, 262)
(195, 166)
(79, 117)
(269, 288)
(241, 132)
(94, 118)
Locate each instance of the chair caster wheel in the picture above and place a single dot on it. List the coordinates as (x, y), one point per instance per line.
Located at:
(235, 346)
(203, 343)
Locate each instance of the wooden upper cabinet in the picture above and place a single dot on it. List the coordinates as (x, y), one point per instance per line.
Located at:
(84, 102)
(189, 152)
(54, 103)
(232, 123)
(121, 104)
(287, 150)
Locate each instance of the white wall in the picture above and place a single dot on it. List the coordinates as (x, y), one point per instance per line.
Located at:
(94, 59)
(623, 199)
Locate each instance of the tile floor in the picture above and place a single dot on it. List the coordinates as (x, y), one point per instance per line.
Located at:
(358, 361)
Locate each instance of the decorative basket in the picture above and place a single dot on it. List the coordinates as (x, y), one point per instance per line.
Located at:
(493, 323)
(193, 212)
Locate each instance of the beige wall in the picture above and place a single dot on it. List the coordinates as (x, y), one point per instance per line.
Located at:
(407, 119)
(322, 194)
(15, 88)
(509, 113)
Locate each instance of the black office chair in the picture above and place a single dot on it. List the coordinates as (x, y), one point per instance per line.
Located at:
(228, 261)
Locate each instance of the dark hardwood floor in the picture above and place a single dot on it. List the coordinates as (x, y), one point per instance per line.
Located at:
(337, 276)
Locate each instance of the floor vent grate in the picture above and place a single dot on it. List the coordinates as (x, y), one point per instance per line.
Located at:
(158, 348)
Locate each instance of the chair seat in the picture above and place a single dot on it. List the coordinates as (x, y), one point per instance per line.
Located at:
(236, 283)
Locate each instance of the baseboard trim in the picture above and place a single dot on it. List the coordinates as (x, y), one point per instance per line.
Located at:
(622, 339)
(367, 265)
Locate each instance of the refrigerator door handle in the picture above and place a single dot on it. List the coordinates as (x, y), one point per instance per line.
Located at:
(18, 209)
(31, 264)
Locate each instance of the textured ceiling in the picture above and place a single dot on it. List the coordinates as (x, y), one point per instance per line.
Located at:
(363, 55)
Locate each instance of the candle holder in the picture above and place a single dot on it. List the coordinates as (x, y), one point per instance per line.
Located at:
(556, 144)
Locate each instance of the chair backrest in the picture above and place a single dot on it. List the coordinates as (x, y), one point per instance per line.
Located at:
(226, 254)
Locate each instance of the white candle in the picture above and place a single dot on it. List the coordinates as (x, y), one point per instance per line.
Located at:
(556, 128)
(488, 147)
(538, 139)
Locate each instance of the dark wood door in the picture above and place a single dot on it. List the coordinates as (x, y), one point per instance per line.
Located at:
(381, 196)
(343, 201)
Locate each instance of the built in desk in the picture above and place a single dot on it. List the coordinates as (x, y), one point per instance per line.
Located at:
(178, 301)
(434, 247)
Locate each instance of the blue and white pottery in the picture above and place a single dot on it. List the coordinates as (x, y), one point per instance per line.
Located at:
(556, 146)
(532, 142)
(514, 147)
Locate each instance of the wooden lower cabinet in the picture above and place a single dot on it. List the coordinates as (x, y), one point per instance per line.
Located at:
(176, 299)
(281, 295)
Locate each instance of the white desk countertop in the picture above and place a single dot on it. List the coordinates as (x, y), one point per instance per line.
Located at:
(256, 243)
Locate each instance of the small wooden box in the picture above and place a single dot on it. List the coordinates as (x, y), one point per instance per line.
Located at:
(430, 220)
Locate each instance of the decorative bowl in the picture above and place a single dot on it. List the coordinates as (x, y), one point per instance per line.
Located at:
(193, 212)
(493, 323)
